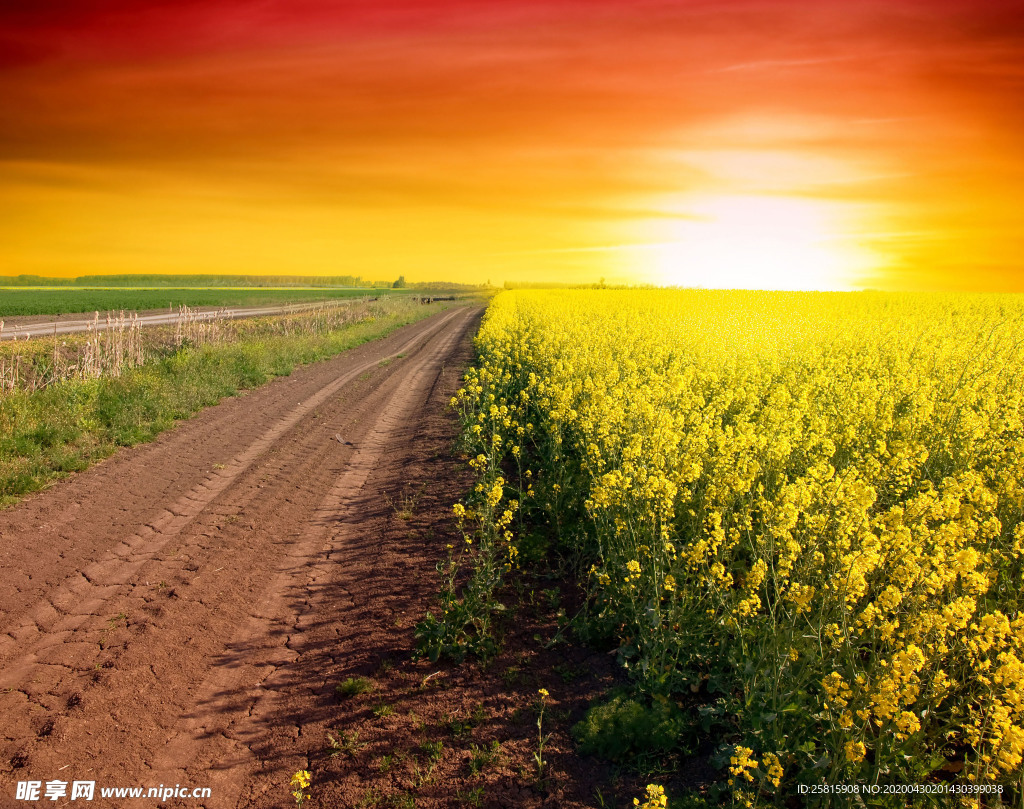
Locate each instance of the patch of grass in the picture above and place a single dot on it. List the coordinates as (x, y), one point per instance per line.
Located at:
(481, 757)
(382, 710)
(417, 722)
(470, 797)
(460, 726)
(422, 777)
(346, 743)
(430, 677)
(353, 687)
(434, 750)
(405, 506)
(370, 798)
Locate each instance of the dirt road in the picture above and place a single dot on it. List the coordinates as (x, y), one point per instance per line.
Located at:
(155, 609)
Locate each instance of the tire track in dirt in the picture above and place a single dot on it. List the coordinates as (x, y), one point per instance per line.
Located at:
(100, 666)
(67, 607)
(246, 682)
(170, 466)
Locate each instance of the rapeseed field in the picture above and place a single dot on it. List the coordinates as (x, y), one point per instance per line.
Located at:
(797, 516)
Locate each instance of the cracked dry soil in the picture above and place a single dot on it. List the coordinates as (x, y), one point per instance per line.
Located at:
(181, 613)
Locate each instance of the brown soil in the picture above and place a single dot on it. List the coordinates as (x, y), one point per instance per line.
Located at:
(182, 612)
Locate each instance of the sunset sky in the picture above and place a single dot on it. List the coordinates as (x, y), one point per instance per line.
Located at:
(730, 143)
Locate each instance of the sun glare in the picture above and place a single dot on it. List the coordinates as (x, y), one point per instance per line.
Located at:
(756, 242)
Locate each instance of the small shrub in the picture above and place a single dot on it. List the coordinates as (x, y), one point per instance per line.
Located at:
(347, 743)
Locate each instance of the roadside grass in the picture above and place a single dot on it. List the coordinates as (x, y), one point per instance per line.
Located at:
(63, 428)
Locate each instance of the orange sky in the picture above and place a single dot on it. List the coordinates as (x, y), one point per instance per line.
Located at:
(713, 143)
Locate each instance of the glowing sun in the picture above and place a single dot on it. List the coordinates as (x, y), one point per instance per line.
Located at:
(757, 242)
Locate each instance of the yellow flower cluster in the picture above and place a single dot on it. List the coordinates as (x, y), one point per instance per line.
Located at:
(654, 798)
(741, 763)
(816, 498)
(300, 782)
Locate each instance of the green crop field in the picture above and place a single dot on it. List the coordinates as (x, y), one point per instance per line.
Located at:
(57, 301)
